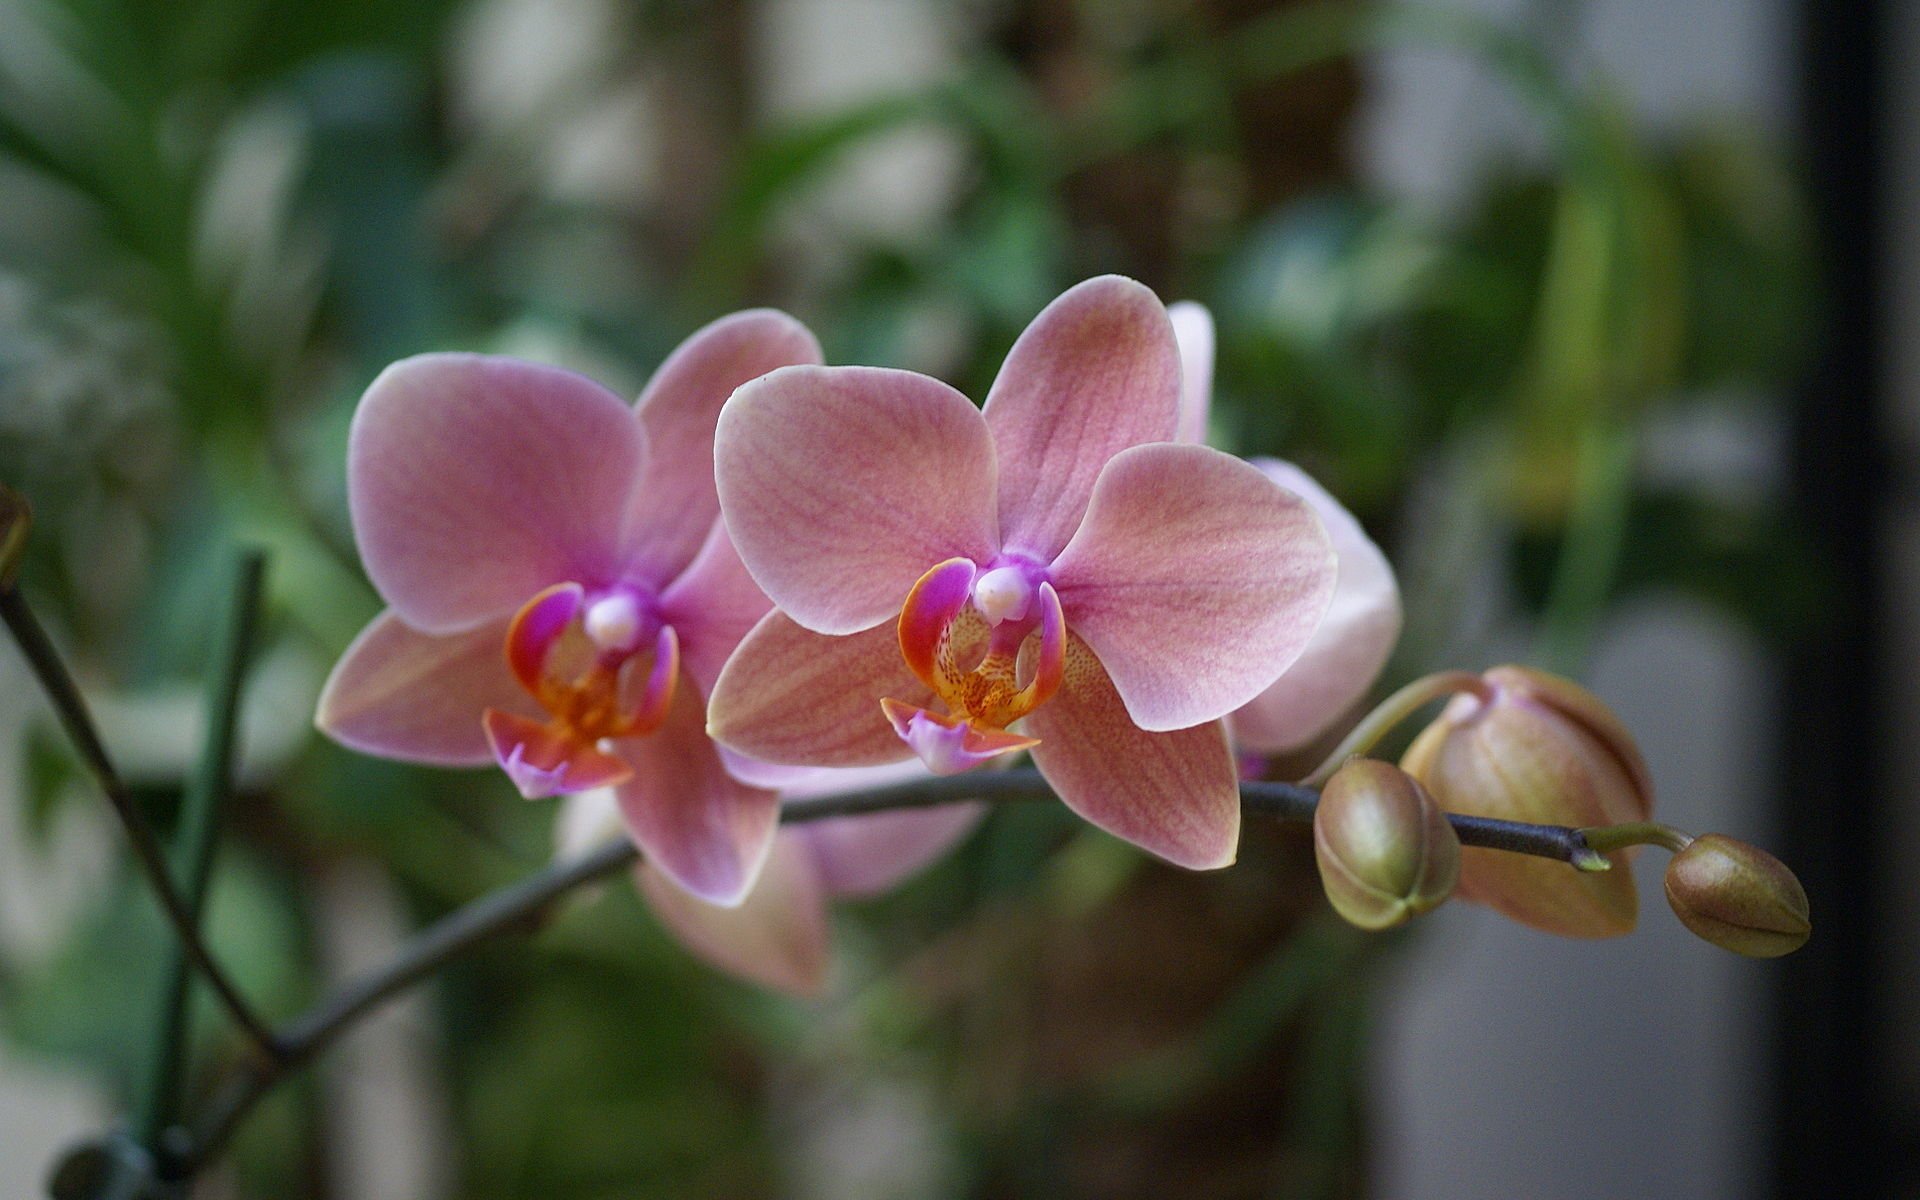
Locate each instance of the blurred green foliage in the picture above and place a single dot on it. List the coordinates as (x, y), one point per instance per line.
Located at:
(222, 217)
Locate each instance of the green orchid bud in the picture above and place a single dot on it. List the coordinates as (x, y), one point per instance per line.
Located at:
(16, 521)
(1738, 897)
(1530, 746)
(1386, 851)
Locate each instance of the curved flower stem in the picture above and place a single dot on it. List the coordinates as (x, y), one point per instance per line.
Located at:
(522, 905)
(71, 708)
(1393, 710)
(1605, 839)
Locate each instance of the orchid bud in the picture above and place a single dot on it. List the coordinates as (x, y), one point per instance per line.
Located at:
(1385, 849)
(1534, 747)
(1738, 897)
(16, 521)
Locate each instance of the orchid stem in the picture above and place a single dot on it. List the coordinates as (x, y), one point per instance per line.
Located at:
(1393, 710)
(71, 709)
(1605, 839)
(201, 812)
(522, 904)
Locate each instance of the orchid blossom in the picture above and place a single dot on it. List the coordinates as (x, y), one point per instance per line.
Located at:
(1352, 643)
(944, 573)
(780, 935)
(561, 593)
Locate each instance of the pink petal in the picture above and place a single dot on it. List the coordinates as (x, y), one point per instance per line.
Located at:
(792, 696)
(1193, 330)
(842, 485)
(1096, 372)
(777, 937)
(864, 856)
(400, 693)
(475, 482)
(703, 828)
(676, 503)
(1196, 579)
(712, 606)
(1346, 652)
(1175, 794)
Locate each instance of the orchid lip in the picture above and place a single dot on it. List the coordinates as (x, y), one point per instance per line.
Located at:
(986, 696)
(582, 658)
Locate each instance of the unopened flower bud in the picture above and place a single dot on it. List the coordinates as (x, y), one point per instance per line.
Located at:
(1385, 849)
(1738, 897)
(1535, 747)
(16, 521)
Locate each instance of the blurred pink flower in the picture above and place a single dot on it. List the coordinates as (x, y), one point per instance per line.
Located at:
(1351, 645)
(780, 935)
(1062, 566)
(561, 593)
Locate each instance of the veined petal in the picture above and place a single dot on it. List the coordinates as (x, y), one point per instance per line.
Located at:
(1346, 652)
(1175, 794)
(777, 937)
(703, 829)
(1196, 579)
(842, 485)
(475, 482)
(792, 696)
(864, 856)
(1096, 372)
(400, 693)
(712, 605)
(1193, 330)
(675, 503)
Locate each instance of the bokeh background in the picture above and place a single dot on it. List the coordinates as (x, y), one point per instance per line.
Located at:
(1589, 308)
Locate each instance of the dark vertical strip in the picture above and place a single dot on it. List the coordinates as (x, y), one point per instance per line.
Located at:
(1831, 1118)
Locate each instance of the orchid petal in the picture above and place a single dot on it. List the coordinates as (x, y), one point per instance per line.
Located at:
(1193, 330)
(1196, 579)
(867, 855)
(777, 937)
(1348, 650)
(792, 696)
(712, 605)
(400, 693)
(1096, 372)
(1175, 794)
(475, 482)
(703, 828)
(842, 485)
(675, 503)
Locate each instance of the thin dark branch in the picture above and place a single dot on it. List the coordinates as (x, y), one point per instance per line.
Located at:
(202, 810)
(521, 904)
(71, 709)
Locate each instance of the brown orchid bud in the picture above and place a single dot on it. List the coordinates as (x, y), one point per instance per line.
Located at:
(1535, 747)
(16, 521)
(1738, 897)
(1386, 851)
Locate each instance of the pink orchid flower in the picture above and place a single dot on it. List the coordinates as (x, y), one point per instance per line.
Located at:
(1351, 645)
(942, 573)
(561, 593)
(780, 935)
